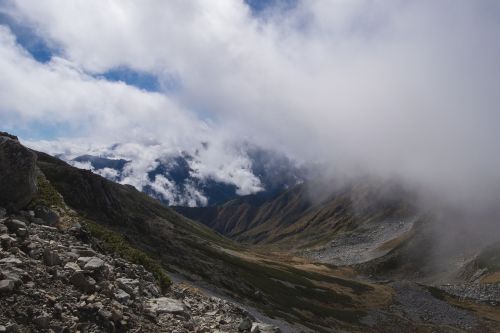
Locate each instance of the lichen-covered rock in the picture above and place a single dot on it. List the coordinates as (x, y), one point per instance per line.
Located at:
(17, 173)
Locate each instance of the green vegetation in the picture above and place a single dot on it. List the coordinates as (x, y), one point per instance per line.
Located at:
(114, 242)
(296, 295)
(46, 195)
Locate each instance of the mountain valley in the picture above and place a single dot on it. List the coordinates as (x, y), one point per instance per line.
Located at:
(345, 263)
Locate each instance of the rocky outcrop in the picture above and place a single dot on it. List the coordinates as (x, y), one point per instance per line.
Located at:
(51, 281)
(17, 173)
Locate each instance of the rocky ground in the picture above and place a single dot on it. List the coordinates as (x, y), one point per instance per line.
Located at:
(483, 292)
(53, 280)
(362, 244)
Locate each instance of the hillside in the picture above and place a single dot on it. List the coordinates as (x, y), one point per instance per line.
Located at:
(295, 217)
(308, 296)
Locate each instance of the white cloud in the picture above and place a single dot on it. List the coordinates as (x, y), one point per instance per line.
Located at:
(399, 89)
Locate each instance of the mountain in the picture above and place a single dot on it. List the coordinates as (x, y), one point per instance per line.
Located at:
(375, 228)
(300, 294)
(295, 217)
(173, 178)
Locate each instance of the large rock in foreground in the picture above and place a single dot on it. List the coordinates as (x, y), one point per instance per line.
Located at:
(17, 173)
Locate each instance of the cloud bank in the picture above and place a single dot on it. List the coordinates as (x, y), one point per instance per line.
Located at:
(398, 89)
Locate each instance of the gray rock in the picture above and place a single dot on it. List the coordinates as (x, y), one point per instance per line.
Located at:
(93, 264)
(11, 261)
(264, 328)
(105, 314)
(3, 213)
(12, 328)
(14, 274)
(131, 286)
(255, 329)
(82, 261)
(83, 282)
(156, 306)
(121, 296)
(151, 290)
(245, 325)
(13, 225)
(51, 258)
(7, 286)
(7, 241)
(42, 321)
(47, 215)
(22, 232)
(116, 315)
(3, 329)
(17, 173)
(83, 251)
(72, 267)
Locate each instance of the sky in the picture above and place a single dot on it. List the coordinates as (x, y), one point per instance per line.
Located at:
(395, 89)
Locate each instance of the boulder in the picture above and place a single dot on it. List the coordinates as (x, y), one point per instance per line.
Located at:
(94, 264)
(17, 173)
(46, 215)
(14, 274)
(83, 251)
(83, 282)
(264, 328)
(11, 261)
(12, 328)
(82, 261)
(131, 286)
(72, 267)
(7, 286)
(14, 225)
(51, 258)
(7, 241)
(156, 306)
(42, 321)
(22, 232)
(121, 296)
(245, 325)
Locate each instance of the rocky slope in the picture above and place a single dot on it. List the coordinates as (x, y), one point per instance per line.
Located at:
(56, 279)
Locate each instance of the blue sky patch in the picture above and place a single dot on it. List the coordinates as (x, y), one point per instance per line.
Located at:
(259, 6)
(40, 130)
(28, 38)
(142, 80)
